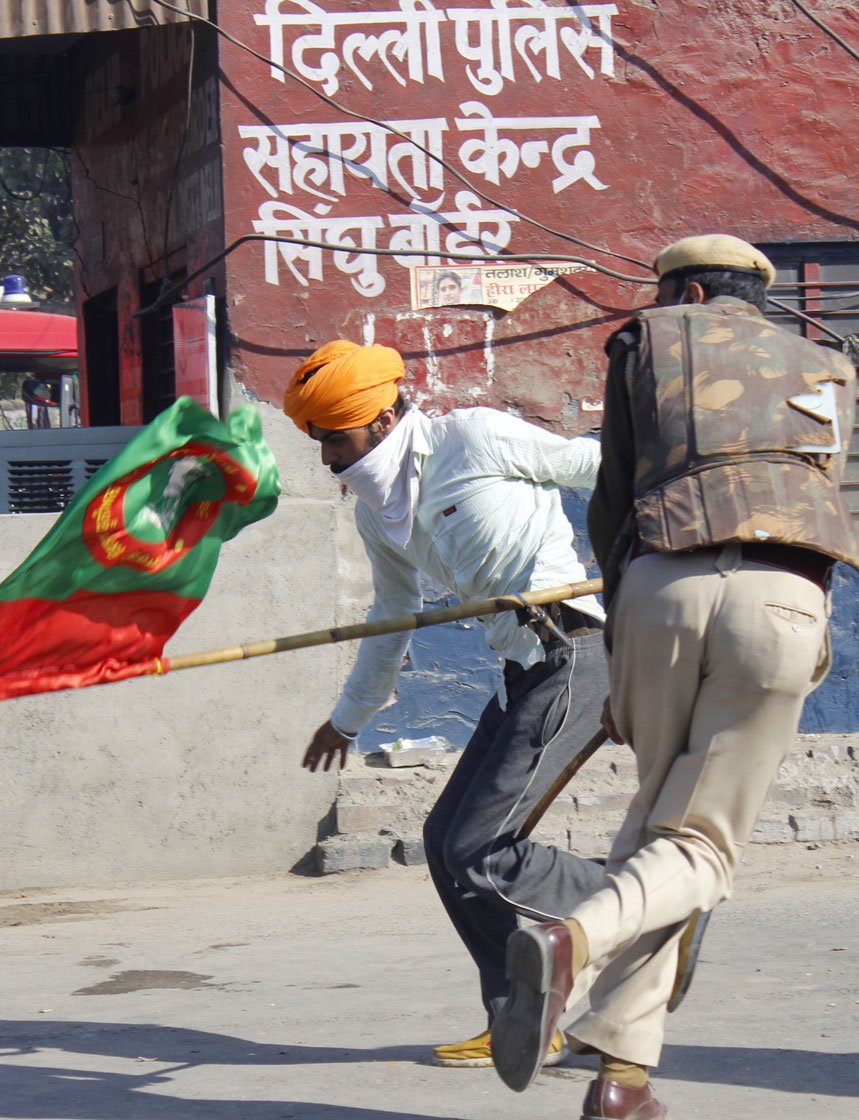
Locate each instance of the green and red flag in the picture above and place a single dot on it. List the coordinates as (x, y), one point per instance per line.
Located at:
(134, 553)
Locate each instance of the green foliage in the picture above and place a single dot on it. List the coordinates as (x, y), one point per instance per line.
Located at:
(37, 227)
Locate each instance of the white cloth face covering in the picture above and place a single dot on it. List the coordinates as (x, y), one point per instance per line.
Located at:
(387, 479)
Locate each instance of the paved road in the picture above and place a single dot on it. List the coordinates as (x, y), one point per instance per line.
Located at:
(319, 999)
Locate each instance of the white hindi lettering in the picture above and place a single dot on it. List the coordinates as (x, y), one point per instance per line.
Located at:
(413, 38)
(498, 43)
(276, 219)
(490, 39)
(583, 165)
(491, 156)
(314, 157)
(587, 37)
(427, 229)
(462, 229)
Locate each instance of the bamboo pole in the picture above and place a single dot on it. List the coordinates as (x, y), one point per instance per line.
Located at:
(477, 608)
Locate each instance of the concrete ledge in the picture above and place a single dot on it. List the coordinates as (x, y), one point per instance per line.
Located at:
(813, 801)
(773, 832)
(811, 827)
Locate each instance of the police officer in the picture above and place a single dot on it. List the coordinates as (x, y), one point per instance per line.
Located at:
(716, 518)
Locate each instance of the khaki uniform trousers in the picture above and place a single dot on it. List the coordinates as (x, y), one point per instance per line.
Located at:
(712, 658)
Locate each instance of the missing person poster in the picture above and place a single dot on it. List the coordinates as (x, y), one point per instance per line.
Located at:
(501, 284)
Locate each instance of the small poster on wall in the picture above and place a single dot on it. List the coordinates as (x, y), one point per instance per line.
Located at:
(501, 284)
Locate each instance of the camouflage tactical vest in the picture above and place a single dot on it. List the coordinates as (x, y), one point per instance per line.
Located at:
(741, 432)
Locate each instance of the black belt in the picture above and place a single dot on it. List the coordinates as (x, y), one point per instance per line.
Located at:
(574, 623)
(803, 562)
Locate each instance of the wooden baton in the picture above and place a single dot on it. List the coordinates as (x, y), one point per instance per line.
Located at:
(567, 774)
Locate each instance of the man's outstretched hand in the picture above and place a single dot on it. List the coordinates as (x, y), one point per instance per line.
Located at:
(324, 746)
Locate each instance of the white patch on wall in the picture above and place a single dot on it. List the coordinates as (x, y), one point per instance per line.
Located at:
(434, 380)
(488, 351)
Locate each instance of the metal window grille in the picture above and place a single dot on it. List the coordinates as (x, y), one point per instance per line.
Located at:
(159, 358)
(41, 471)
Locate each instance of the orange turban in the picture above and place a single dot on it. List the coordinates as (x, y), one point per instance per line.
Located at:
(349, 386)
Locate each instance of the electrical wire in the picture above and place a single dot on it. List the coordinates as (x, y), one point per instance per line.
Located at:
(175, 177)
(826, 28)
(76, 229)
(118, 194)
(473, 258)
(834, 300)
(822, 297)
(805, 318)
(169, 295)
(403, 136)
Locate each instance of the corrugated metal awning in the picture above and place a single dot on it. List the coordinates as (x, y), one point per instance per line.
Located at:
(19, 18)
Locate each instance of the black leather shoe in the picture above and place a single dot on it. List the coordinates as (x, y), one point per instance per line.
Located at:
(606, 1100)
(539, 968)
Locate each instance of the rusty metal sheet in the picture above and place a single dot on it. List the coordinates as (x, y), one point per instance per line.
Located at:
(19, 18)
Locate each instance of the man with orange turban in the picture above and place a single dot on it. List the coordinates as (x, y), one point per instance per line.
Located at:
(472, 500)
(343, 386)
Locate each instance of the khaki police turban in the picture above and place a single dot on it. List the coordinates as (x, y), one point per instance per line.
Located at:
(343, 385)
(717, 251)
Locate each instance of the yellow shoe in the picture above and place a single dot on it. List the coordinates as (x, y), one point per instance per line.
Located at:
(477, 1051)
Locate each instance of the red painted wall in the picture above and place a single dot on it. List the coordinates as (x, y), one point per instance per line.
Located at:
(691, 117)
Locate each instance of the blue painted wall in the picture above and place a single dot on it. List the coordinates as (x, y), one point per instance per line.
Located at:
(835, 705)
(452, 672)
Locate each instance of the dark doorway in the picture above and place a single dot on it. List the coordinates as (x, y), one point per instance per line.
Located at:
(101, 331)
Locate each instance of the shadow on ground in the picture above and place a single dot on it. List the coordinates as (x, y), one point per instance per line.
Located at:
(66, 1092)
